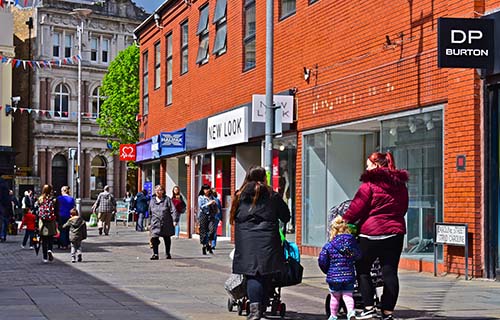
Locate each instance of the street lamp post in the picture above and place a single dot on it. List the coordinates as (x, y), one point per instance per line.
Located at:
(81, 14)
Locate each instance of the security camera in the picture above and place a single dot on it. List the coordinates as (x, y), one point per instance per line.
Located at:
(15, 100)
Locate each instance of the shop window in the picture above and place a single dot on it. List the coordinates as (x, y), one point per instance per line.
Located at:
(417, 144)
(202, 34)
(98, 174)
(287, 8)
(249, 35)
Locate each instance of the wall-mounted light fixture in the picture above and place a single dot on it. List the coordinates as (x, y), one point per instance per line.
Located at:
(307, 74)
(136, 41)
(157, 20)
(187, 160)
(412, 126)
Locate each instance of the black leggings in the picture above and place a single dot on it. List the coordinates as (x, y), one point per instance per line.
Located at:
(46, 245)
(207, 229)
(388, 251)
(156, 243)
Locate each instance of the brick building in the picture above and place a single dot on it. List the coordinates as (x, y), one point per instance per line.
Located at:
(363, 77)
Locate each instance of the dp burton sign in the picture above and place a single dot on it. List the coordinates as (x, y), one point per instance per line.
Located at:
(465, 43)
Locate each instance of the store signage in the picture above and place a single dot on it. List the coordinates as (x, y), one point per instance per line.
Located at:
(465, 43)
(128, 152)
(155, 146)
(174, 139)
(228, 128)
(284, 104)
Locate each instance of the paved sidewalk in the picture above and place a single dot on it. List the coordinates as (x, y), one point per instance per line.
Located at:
(118, 281)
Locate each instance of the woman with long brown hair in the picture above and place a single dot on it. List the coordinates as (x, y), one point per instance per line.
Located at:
(47, 221)
(379, 209)
(255, 212)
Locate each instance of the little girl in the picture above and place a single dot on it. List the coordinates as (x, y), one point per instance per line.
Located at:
(336, 260)
(77, 233)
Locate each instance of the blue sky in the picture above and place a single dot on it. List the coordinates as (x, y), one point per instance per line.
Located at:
(149, 5)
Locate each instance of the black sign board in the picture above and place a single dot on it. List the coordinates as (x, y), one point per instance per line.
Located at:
(465, 43)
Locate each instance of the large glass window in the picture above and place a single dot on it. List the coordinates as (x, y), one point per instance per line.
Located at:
(97, 101)
(93, 49)
(249, 32)
(417, 144)
(184, 47)
(68, 44)
(105, 50)
(61, 101)
(97, 176)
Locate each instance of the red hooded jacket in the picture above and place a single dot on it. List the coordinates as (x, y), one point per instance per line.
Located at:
(380, 205)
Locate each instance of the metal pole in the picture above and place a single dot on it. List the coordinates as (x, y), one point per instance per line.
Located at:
(466, 253)
(79, 116)
(29, 23)
(268, 153)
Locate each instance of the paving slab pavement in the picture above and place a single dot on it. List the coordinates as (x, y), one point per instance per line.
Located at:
(117, 280)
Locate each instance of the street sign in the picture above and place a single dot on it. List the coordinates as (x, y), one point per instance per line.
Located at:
(451, 234)
(283, 102)
(127, 152)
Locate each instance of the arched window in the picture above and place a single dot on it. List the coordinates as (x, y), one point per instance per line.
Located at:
(59, 173)
(97, 176)
(61, 101)
(97, 100)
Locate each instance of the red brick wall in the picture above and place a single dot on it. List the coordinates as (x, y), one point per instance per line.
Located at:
(355, 75)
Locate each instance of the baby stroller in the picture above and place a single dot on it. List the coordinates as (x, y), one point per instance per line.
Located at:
(375, 273)
(236, 284)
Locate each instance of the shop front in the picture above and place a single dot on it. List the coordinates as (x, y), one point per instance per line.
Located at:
(335, 157)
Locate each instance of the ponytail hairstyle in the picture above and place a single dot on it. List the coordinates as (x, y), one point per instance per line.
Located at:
(383, 160)
(256, 176)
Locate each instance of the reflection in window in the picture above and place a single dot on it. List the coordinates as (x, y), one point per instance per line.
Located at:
(93, 49)
(417, 144)
(220, 27)
(105, 51)
(61, 101)
(56, 44)
(184, 47)
(97, 101)
(169, 69)
(287, 7)
(157, 65)
(145, 84)
(68, 41)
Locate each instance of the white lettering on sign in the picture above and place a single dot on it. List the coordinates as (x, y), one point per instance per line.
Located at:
(459, 36)
(467, 52)
(227, 128)
(451, 234)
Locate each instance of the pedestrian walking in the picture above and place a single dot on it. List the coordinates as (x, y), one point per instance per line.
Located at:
(65, 204)
(27, 201)
(47, 216)
(336, 260)
(379, 208)
(141, 206)
(105, 205)
(29, 223)
(180, 207)
(163, 214)
(207, 208)
(77, 233)
(217, 216)
(255, 212)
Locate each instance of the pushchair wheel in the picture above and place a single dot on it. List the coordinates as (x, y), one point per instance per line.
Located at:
(240, 308)
(282, 310)
(230, 304)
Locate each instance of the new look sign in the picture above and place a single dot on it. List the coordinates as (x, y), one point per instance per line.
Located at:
(227, 128)
(465, 43)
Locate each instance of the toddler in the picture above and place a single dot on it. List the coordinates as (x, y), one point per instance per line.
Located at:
(336, 260)
(29, 221)
(77, 233)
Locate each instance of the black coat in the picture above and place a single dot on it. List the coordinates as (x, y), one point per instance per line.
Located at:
(257, 240)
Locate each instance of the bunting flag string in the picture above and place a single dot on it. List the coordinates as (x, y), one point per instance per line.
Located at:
(47, 113)
(7, 3)
(34, 64)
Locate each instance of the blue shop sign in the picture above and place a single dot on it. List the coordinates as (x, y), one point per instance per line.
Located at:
(144, 150)
(173, 142)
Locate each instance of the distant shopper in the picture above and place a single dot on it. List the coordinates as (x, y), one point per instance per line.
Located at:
(256, 211)
(180, 207)
(27, 201)
(77, 233)
(65, 203)
(380, 205)
(163, 214)
(141, 206)
(47, 217)
(207, 208)
(217, 216)
(28, 222)
(336, 260)
(105, 205)
(5, 209)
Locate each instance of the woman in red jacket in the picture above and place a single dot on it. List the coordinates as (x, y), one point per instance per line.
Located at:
(379, 208)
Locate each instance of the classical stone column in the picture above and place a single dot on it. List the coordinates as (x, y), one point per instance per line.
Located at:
(48, 167)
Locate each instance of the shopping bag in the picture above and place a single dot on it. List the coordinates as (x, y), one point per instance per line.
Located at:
(235, 286)
(292, 274)
(93, 220)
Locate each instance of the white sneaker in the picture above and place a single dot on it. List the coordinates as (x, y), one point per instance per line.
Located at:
(31, 248)
(51, 256)
(22, 246)
(351, 315)
(45, 260)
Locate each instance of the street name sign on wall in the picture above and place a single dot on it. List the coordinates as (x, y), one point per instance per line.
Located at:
(465, 43)
(451, 234)
(227, 128)
(284, 103)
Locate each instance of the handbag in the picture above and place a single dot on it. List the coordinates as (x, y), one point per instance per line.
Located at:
(292, 274)
(236, 286)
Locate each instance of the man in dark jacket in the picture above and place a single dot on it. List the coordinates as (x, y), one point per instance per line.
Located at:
(141, 206)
